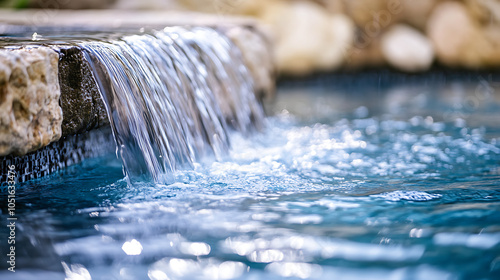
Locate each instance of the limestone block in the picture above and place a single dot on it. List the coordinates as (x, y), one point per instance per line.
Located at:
(30, 115)
(407, 49)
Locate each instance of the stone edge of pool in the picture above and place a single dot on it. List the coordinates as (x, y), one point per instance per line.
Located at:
(52, 115)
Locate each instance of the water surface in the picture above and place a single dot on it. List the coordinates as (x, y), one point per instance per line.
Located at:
(402, 183)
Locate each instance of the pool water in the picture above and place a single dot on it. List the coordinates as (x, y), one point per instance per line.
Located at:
(397, 183)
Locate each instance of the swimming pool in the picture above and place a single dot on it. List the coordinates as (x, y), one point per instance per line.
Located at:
(384, 183)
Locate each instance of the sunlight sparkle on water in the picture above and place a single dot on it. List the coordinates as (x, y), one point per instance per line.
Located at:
(132, 247)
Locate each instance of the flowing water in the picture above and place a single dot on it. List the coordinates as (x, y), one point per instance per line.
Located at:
(357, 183)
(172, 97)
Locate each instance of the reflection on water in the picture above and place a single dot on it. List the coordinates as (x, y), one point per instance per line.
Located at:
(396, 185)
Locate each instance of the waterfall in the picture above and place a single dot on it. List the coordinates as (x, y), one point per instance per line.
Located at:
(172, 97)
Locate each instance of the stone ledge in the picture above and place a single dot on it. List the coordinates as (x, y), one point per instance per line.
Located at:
(81, 101)
(75, 102)
(246, 32)
(30, 116)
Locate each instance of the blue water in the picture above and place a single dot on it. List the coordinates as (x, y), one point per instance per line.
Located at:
(399, 183)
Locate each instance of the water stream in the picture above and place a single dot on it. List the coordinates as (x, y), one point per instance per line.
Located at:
(171, 98)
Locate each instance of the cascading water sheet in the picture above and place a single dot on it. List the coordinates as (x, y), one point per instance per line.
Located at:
(173, 97)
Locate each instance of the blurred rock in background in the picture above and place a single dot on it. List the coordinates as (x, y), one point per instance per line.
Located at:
(326, 35)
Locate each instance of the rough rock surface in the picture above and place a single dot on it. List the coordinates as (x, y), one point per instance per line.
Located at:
(407, 49)
(60, 96)
(30, 115)
(81, 101)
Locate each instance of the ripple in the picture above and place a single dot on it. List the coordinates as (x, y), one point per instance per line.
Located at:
(479, 241)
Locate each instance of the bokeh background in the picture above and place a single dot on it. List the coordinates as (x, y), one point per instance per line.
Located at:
(328, 35)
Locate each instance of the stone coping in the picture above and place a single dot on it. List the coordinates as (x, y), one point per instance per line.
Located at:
(47, 91)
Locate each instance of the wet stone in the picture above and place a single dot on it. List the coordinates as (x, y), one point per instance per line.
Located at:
(82, 106)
